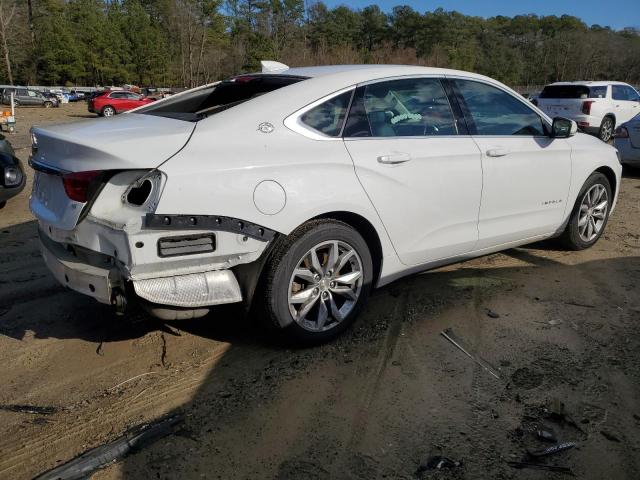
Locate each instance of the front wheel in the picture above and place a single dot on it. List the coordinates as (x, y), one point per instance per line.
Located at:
(606, 129)
(590, 213)
(48, 104)
(317, 281)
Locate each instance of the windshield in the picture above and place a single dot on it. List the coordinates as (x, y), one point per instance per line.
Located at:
(574, 91)
(204, 102)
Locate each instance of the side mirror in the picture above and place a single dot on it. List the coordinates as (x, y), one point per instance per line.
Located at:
(563, 128)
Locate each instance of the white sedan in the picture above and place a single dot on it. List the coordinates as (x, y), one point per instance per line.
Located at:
(298, 190)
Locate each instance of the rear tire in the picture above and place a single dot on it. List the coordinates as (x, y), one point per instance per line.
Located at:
(108, 111)
(590, 214)
(317, 298)
(606, 129)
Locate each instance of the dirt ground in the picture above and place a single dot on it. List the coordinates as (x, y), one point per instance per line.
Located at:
(377, 403)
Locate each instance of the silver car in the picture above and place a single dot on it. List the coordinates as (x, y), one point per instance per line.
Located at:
(627, 141)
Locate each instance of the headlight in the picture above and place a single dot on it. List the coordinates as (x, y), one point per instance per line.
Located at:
(12, 176)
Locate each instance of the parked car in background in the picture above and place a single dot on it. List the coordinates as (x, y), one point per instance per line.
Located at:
(110, 103)
(597, 107)
(52, 97)
(299, 190)
(25, 96)
(13, 179)
(627, 140)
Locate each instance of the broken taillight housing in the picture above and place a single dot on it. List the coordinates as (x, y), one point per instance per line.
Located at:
(145, 191)
(79, 185)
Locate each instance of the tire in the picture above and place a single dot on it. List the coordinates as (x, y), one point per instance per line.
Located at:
(606, 129)
(48, 104)
(577, 235)
(337, 297)
(108, 111)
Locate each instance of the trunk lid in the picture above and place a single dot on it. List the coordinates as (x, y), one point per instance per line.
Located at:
(127, 142)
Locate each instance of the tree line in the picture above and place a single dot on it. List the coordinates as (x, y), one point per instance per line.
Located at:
(190, 42)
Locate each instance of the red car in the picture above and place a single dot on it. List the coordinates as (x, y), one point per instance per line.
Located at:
(107, 104)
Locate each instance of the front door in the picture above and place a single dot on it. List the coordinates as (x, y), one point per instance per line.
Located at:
(423, 178)
(526, 173)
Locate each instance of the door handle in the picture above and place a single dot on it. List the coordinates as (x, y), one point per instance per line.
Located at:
(497, 152)
(394, 158)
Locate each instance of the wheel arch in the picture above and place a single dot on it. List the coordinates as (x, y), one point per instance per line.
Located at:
(109, 105)
(612, 116)
(611, 176)
(250, 276)
(365, 228)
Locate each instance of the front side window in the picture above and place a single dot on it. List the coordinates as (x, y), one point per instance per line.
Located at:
(413, 107)
(328, 117)
(632, 95)
(495, 112)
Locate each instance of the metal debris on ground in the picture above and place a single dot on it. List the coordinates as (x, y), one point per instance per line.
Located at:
(32, 409)
(134, 439)
(561, 447)
(438, 462)
(546, 435)
(541, 466)
(449, 335)
(492, 314)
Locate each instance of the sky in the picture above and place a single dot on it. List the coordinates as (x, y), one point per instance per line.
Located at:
(616, 14)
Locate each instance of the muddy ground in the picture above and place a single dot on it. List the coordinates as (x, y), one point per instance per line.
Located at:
(558, 326)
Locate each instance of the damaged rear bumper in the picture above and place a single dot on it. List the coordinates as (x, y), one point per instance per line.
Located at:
(99, 276)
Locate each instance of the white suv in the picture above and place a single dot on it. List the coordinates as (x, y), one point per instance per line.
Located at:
(597, 107)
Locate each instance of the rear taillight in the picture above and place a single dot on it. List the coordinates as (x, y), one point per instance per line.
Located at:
(77, 185)
(586, 107)
(621, 132)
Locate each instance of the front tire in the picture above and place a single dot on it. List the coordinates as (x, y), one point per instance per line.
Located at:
(606, 129)
(48, 104)
(317, 281)
(590, 213)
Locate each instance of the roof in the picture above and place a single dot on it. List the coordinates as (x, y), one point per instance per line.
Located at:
(591, 83)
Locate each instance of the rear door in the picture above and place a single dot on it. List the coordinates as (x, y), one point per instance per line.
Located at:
(421, 172)
(526, 174)
(117, 100)
(625, 102)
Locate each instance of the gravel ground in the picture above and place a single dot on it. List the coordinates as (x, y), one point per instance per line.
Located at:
(377, 403)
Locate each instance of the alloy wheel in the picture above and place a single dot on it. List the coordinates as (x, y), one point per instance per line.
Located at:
(325, 286)
(108, 112)
(606, 130)
(593, 212)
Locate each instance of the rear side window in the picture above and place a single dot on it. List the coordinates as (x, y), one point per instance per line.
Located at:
(328, 117)
(573, 91)
(494, 112)
(204, 102)
(413, 107)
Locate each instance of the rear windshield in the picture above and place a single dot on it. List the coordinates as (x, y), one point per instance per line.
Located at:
(204, 102)
(573, 91)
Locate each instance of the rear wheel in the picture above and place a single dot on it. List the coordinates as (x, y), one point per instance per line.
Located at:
(590, 213)
(317, 281)
(606, 129)
(108, 111)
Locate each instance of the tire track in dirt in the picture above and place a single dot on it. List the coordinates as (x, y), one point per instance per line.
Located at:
(169, 392)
